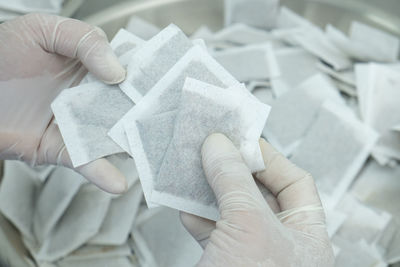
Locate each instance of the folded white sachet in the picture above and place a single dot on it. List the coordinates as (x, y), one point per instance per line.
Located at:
(84, 215)
(334, 149)
(84, 115)
(39, 173)
(253, 62)
(18, 195)
(378, 88)
(297, 31)
(363, 222)
(119, 219)
(206, 109)
(357, 51)
(290, 61)
(164, 97)
(149, 138)
(386, 45)
(366, 43)
(153, 60)
(382, 95)
(377, 186)
(316, 42)
(54, 198)
(294, 111)
(161, 240)
(165, 94)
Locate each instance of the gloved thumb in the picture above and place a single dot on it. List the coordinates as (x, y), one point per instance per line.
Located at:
(76, 39)
(230, 178)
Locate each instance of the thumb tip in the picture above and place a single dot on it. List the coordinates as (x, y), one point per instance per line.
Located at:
(216, 149)
(216, 139)
(106, 66)
(115, 73)
(119, 186)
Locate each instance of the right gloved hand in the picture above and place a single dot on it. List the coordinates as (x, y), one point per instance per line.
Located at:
(249, 233)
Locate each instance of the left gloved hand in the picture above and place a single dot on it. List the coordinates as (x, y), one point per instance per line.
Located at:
(40, 56)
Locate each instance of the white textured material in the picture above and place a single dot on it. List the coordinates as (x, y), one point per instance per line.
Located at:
(207, 109)
(162, 240)
(85, 114)
(335, 149)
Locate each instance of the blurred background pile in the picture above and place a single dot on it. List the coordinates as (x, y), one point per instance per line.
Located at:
(50, 216)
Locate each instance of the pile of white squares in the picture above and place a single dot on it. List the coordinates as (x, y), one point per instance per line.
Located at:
(327, 100)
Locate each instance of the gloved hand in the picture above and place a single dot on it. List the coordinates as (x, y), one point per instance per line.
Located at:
(249, 233)
(40, 56)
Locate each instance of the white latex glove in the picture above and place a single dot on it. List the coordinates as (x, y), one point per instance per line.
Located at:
(40, 55)
(249, 233)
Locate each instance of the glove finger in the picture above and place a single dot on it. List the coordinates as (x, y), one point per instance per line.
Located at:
(268, 197)
(231, 180)
(100, 172)
(104, 175)
(76, 39)
(292, 186)
(295, 191)
(199, 228)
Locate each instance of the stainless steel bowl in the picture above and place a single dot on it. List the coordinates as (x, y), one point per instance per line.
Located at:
(190, 14)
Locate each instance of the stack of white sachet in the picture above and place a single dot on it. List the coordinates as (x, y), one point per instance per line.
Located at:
(378, 88)
(181, 95)
(334, 102)
(64, 220)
